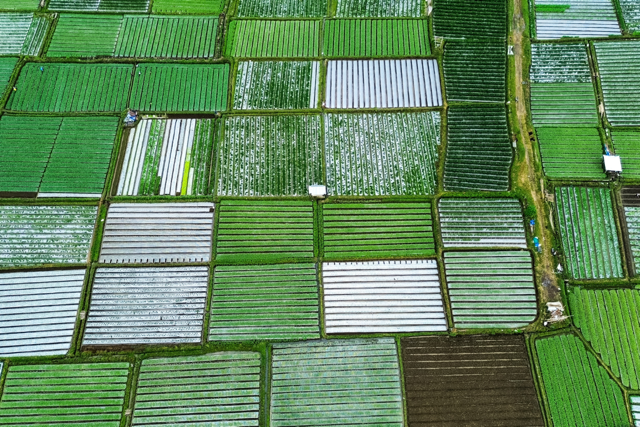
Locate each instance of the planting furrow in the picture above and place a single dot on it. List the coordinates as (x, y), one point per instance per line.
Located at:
(265, 302)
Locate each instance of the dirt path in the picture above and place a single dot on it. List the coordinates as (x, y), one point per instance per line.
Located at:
(527, 179)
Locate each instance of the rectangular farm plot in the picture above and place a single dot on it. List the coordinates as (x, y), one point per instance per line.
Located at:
(575, 18)
(382, 154)
(464, 82)
(378, 8)
(147, 306)
(20, 5)
(482, 223)
(403, 83)
(180, 87)
(217, 388)
(22, 33)
(588, 231)
(265, 302)
(463, 19)
(377, 230)
(62, 394)
(336, 382)
(282, 8)
(62, 88)
(489, 377)
(631, 16)
(479, 152)
(195, 7)
(635, 409)
(376, 38)
(491, 289)
(273, 39)
(627, 145)
(264, 230)
(7, 66)
(39, 311)
(608, 319)
(579, 391)
(382, 297)
(113, 6)
(157, 232)
(270, 156)
(40, 235)
(631, 203)
(571, 153)
(168, 157)
(134, 36)
(271, 85)
(619, 70)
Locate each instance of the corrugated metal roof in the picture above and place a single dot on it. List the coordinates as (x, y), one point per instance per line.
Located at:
(58, 395)
(491, 289)
(265, 302)
(482, 223)
(38, 311)
(382, 296)
(336, 382)
(216, 389)
(147, 305)
(157, 232)
(383, 84)
(35, 235)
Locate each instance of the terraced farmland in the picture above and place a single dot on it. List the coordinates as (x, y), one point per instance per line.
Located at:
(212, 7)
(627, 145)
(268, 302)
(376, 38)
(273, 39)
(168, 157)
(201, 88)
(608, 319)
(62, 88)
(463, 82)
(463, 19)
(140, 6)
(287, 148)
(22, 33)
(478, 149)
(282, 8)
(619, 69)
(491, 289)
(378, 8)
(377, 230)
(588, 232)
(571, 153)
(381, 154)
(579, 391)
(496, 388)
(481, 223)
(270, 230)
(276, 85)
(575, 18)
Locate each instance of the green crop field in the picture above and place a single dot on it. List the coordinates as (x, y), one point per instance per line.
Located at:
(282, 8)
(378, 8)
(19, 5)
(212, 7)
(73, 30)
(579, 391)
(466, 19)
(570, 153)
(273, 39)
(7, 65)
(113, 6)
(627, 145)
(22, 33)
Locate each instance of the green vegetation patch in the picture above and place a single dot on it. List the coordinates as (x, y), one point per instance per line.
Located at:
(571, 153)
(627, 146)
(195, 7)
(282, 8)
(563, 104)
(632, 216)
(609, 320)
(99, 5)
(588, 232)
(373, 38)
(218, 388)
(378, 8)
(73, 30)
(7, 65)
(382, 154)
(19, 5)
(329, 383)
(180, 87)
(270, 156)
(87, 88)
(551, 8)
(467, 19)
(631, 16)
(475, 71)
(273, 39)
(479, 153)
(579, 391)
(58, 395)
(276, 85)
(22, 33)
(377, 230)
(559, 63)
(491, 289)
(264, 230)
(266, 302)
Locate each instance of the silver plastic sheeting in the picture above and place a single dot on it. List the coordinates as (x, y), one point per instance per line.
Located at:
(383, 84)
(38, 311)
(382, 296)
(157, 232)
(147, 306)
(548, 29)
(635, 408)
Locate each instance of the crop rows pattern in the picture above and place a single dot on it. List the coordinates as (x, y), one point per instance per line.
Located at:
(273, 39)
(627, 146)
(112, 6)
(569, 152)
(282, 8)
(210, 7)
(575, 18)
(22, 34)
(464, 19)
(631, 15)
(7, 65)
(632, 219)
(378, 8)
